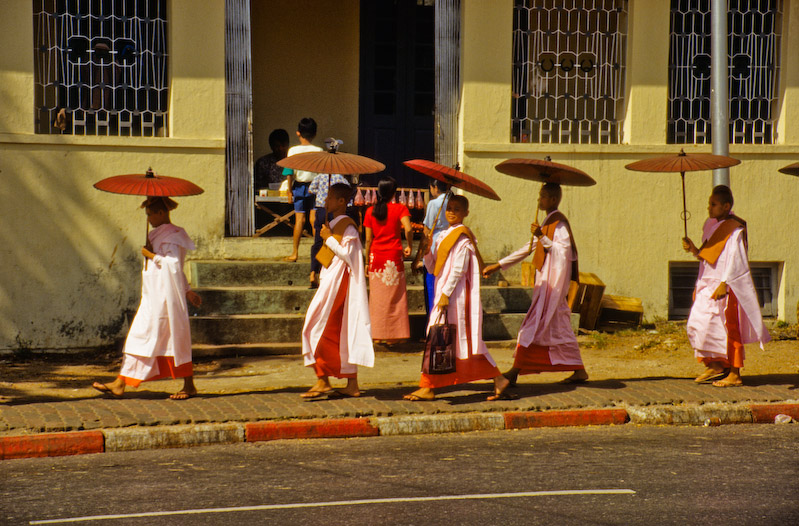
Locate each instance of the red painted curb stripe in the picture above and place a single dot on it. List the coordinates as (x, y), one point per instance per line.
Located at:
(51, 445)
(339, 428)
(765, 413)
(586, 417)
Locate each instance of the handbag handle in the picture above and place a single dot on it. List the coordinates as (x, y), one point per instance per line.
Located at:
(445, 314)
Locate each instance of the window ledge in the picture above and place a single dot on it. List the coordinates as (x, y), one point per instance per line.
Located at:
(111, 141)
(655, 149)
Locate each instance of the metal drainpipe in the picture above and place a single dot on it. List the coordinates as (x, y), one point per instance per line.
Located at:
(719, 96)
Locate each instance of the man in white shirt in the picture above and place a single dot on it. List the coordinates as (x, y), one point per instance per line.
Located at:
(299, 180)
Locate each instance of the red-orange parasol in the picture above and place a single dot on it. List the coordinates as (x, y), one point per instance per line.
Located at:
(332, 161)
(683, 162)
(149, 184)
(452, 177)
(791, 169)
(544, 171)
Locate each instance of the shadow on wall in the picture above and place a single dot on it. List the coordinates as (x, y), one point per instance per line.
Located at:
(71, 270)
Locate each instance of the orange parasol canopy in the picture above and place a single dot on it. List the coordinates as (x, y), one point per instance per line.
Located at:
(545, 171)
(683, 162)
(332, 161)
(452, 177)
(148, 184)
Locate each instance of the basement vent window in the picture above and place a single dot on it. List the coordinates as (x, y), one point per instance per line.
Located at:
(568, 71)
(682, 279)
(753, 49)
(101, 67)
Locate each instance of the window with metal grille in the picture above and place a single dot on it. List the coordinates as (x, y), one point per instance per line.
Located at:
(568, 71)
(101, 67)
(753, 45)
(682, 279)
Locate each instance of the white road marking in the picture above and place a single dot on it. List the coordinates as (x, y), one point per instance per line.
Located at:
(340, 503)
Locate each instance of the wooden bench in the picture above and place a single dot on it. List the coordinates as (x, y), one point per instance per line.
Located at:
(620, 311)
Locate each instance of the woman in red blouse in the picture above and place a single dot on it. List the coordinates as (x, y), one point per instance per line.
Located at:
(388, 302)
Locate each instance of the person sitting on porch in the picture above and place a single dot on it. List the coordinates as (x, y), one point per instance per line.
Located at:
(266, 169)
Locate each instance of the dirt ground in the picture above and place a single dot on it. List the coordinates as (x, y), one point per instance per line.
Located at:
(655, 351)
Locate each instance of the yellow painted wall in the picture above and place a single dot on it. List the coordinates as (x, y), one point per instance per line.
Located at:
(305, 64)
(628, 226)
(70, 253)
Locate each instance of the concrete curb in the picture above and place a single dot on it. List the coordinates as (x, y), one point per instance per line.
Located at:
(137, 438)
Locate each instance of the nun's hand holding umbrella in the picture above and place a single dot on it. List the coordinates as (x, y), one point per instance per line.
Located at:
(681, 163)
(151, 185)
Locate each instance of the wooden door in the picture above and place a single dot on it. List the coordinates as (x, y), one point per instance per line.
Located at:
(397, 86)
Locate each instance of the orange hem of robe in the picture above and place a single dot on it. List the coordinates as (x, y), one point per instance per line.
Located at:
(735, 348)
(535, 359)
(327, 355)
(473, 368)
(166, 366)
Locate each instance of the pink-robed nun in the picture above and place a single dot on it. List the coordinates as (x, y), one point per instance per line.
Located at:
(456, 264)
(726, 313)
(159, 341)
(336, 336)
(546, 340)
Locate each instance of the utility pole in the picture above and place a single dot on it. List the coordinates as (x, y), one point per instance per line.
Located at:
(719, 83)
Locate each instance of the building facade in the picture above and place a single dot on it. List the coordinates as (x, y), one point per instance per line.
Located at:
(193, 88)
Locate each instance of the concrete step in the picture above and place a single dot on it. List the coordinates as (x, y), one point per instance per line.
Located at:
(238, 273)
(295, 300)
(259, 329)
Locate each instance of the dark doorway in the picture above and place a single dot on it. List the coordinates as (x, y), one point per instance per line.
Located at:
(397, 87)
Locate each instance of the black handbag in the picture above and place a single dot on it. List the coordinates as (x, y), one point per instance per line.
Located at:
(439, 348)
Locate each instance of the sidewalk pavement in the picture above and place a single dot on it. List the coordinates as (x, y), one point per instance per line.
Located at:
(148, 419)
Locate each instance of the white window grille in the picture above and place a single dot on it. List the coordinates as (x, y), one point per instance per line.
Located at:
(101, 67)
(568, 71)
(682, 280)
(753, 44)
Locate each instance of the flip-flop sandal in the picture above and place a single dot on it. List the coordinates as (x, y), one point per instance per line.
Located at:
(722, 383)
(338, 395)
(504, 395)
(415, 398)
(185, 395)
(570, 381)
(105, 390)
(715, 377)
(310, 395)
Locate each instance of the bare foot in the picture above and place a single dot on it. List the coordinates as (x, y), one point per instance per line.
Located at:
(712, 371)
(512, 375)
(501, 384)
(109, 389)
(320, 388)
(423, 394)
(578, 377)
(732, 380)
(183, 394)
(291, 259)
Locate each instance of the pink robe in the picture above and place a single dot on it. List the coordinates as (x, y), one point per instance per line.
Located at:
(459, 279)
(161, 325)
(355, 343)
(706, 325)
(459, 276)
(548, 320)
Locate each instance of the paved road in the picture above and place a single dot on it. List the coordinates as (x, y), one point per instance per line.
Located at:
(679, 475)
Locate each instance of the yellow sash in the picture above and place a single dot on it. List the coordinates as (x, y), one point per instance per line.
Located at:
(711, 249)
(548, 229)
(325, 255)
(448, 242)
